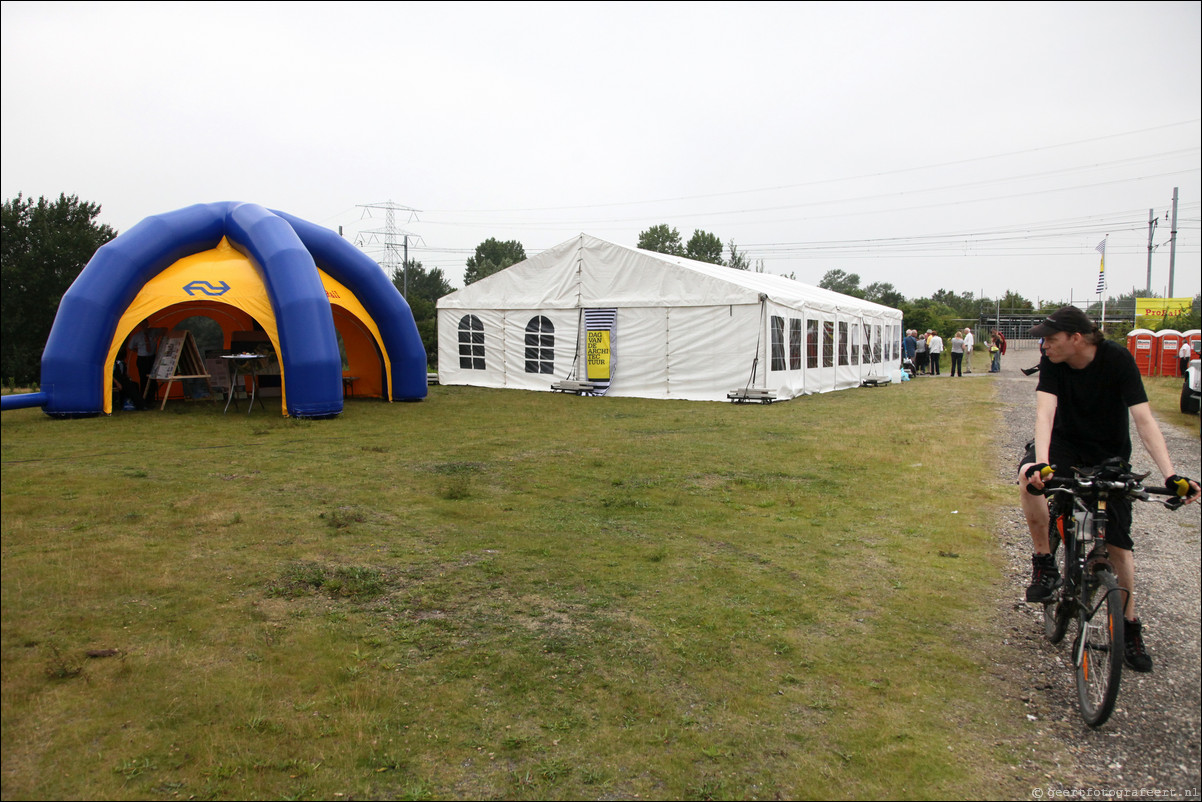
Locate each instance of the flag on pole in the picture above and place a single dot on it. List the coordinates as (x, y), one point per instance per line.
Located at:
(1102, 268)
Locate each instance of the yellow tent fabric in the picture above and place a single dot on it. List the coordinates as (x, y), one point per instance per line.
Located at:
(212, 281)
(361, 340)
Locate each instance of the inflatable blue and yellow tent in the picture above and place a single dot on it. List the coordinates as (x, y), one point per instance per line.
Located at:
(239, 264)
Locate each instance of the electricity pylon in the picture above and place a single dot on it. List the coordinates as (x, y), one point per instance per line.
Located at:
(394, 240)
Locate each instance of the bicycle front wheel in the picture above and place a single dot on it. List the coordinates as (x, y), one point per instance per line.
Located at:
(1057, 611)
(1099, 649)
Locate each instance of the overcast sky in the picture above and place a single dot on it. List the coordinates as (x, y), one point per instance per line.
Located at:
(971, 147)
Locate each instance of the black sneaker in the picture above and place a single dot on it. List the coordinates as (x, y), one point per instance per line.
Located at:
(1045, 578)
(1135, 655)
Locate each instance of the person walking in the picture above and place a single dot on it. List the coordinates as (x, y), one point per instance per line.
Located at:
(969, 343)
(957, 355)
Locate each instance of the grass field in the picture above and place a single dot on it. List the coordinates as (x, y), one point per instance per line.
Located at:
(1165, 397)
(504, 594)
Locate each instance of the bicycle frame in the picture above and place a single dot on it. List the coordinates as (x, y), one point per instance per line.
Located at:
(1084, 526)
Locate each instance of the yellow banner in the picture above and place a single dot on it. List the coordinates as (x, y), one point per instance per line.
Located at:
(598, 356)
(1161, 308)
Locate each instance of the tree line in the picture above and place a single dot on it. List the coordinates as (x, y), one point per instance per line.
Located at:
(46, 243)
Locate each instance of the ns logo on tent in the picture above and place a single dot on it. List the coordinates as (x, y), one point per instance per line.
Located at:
(208, 288)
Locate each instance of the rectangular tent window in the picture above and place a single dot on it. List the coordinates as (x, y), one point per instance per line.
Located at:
(876, 346)
(811, 343)
(794, 343)
(844, 345)
(828, 343)
(778, 343)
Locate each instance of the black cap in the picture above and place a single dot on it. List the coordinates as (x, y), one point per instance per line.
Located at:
(1066, 318)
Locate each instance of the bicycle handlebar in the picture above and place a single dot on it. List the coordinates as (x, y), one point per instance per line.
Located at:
(1126, 484)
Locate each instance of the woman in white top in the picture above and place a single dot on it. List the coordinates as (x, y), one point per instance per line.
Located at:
(935, 346)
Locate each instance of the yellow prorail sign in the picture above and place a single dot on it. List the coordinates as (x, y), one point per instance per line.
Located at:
(1154, 309)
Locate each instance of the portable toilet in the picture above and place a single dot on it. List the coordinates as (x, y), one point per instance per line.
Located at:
(1142, 345)
(1194, 338)
(1169, 343)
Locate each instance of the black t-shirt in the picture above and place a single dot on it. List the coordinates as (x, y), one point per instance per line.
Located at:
(1091, 403)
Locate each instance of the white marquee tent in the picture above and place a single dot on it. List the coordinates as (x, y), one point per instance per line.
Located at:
(640, 323)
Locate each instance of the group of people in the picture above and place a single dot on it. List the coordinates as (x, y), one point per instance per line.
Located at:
(925, 351)
(920, 349)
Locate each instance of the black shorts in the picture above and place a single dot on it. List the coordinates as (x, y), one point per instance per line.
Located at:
(1118, 511)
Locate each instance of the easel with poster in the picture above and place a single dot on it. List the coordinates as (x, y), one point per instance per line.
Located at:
(178, 359)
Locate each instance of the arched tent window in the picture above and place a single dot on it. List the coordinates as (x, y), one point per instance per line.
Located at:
(540, 346)
(471, 343)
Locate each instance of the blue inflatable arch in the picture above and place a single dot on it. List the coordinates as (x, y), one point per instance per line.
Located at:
(285, 251)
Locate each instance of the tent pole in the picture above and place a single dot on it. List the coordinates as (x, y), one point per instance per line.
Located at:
(576, 352)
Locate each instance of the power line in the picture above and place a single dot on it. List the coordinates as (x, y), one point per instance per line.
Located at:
(823, 182)
(580, 224)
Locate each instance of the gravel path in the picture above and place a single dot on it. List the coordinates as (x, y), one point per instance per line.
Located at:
(1152, 741)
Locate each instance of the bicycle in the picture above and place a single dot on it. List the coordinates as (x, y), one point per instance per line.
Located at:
(1089, 592)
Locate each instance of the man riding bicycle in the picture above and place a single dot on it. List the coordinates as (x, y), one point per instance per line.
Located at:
(1086, 387)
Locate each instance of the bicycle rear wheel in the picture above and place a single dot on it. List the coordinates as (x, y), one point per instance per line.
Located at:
(1098, 654)
(1057, 611)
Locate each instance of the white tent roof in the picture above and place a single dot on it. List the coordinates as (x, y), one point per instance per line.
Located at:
(619, 276)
